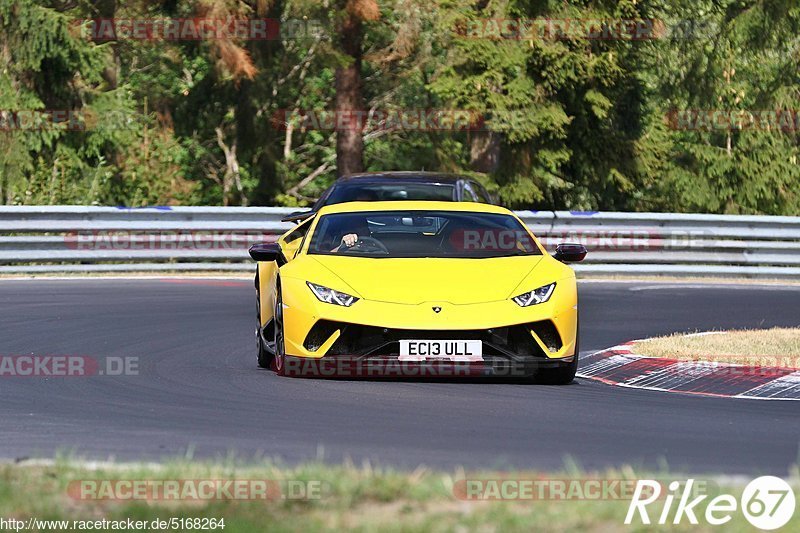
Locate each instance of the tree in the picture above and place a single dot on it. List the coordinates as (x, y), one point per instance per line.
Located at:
(349, 99)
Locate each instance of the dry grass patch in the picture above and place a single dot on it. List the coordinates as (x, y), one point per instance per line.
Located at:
(776, 347)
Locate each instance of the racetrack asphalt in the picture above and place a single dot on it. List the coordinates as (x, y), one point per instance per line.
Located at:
(198, 391)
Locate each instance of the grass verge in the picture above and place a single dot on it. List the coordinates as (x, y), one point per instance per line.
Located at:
(353, 498)
(776, 347)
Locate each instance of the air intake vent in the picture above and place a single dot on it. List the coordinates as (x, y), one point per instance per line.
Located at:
(548, 334)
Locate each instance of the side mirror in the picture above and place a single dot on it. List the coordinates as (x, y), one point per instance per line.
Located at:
(570, 252)
(297, 217)
(268, 252)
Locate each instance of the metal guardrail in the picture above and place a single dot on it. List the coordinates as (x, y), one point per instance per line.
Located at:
(107, 239)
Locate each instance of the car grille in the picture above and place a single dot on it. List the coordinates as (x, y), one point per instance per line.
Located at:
(505, 342)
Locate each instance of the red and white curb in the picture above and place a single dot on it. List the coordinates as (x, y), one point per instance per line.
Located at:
(622, 367)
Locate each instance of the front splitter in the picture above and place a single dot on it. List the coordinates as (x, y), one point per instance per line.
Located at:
(351, 367)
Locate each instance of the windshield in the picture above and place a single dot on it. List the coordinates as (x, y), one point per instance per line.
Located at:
(421, 234)
(374, 192)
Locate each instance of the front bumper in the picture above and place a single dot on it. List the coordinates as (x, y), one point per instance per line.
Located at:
(370, 330)
(515, 343)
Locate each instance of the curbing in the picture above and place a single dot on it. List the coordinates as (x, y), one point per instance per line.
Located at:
(620, 366)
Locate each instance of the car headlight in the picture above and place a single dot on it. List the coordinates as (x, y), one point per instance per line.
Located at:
(330, 296)
(536, 296)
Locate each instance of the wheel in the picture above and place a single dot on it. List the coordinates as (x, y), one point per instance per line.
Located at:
(562, 375)
(280, 354)
(264, 355)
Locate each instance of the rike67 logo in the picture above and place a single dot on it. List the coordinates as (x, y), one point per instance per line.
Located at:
(767, 502)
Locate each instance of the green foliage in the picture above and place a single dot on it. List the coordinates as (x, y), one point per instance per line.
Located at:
(568, 123)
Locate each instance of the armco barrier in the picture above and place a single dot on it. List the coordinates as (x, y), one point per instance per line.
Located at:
(97, 239)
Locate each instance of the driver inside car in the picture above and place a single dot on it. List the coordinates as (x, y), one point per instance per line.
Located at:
(351, 236)
(348, 240)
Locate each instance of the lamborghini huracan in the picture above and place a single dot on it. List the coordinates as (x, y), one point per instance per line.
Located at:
(417, 288)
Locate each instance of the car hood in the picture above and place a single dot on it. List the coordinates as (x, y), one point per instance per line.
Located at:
(418, 280)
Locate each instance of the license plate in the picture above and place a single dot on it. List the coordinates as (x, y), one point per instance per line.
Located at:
(457, 351)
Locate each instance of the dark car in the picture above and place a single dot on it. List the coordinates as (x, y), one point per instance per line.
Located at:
(385, 186)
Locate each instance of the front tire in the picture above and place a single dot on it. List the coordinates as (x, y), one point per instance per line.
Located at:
(264, 355)
(280, 353)
(562, 375)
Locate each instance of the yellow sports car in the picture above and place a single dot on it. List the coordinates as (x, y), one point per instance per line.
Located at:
(416, 288)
